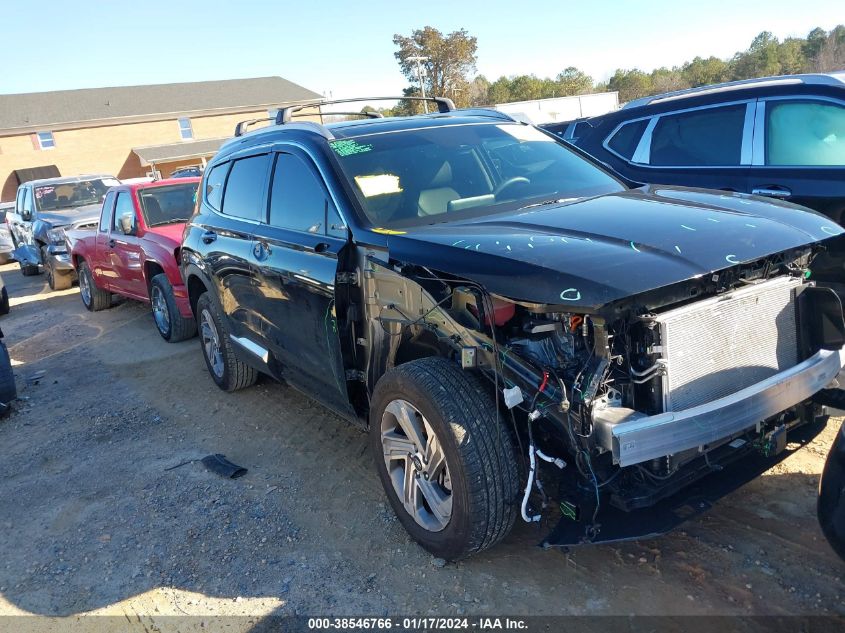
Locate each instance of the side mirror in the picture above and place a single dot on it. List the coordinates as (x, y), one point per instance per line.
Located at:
(127, 223)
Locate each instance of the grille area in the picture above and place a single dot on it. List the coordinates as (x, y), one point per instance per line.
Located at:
(721, 345)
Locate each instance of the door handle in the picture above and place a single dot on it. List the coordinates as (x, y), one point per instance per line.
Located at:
(208, 237)
(772, 192)
(111, 243)
(322, 247)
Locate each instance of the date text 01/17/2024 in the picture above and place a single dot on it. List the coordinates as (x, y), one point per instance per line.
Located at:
(417, 624)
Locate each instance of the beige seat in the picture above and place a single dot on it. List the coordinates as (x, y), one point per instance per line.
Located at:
(435, 200)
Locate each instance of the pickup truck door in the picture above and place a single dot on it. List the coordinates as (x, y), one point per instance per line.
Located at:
(125, 252)
(100, 259)
(295, 256)
(21, 228)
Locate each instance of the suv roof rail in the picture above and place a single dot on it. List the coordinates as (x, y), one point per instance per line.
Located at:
(286, 114)
(240, 128)
(488, 112)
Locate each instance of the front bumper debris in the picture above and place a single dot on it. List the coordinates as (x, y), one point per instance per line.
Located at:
(635, 438)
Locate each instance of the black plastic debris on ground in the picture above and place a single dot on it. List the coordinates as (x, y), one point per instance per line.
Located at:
(218, 463)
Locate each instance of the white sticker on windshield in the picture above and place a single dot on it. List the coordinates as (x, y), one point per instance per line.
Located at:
(525, 132)
(378, 184)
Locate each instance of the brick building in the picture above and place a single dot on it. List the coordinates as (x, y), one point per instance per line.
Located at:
(129, 131)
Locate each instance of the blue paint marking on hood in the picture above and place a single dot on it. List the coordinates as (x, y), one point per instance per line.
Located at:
(592, 252)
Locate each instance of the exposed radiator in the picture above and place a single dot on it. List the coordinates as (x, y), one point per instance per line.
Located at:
(717, 346)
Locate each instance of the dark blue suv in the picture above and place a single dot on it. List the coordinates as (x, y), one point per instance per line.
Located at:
(510, 321)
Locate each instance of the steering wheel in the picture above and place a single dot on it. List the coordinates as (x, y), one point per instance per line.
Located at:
(510, 182)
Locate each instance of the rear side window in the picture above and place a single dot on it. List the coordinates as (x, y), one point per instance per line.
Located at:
(625, 140)
(298, 199)
(805, 133)
(708, 137)
(214, 184)
(244, 193)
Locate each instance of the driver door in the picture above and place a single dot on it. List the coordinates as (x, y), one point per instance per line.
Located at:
(125, 252)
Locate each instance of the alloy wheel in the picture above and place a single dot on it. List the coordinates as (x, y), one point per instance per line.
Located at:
(417, 465)
(211, 343)
(85, 287)
(160, 312)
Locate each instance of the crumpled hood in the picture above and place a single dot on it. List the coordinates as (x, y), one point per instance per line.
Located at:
(592, 252)
(64, 217)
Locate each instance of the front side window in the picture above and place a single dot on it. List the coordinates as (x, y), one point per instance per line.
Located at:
(243, 196)
(106, 213)
(699, 138)
(805, 133)
(435, 174)
(626, 138)
(298, 199)
(167, 205)
(68, 195)
(123, 207)
(46, 140)
(185, 129)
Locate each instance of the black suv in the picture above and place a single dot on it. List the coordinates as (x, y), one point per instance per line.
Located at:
(511, 322)
(780, 137)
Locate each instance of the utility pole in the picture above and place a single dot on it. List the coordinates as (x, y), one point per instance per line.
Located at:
(418, 59)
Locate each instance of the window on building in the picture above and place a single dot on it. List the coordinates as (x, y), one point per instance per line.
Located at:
(805, 133)
(46, 140)
(272, 112)
(624, 141)
(706, 137)
(298, 199)
(185, 129)
(245, 188)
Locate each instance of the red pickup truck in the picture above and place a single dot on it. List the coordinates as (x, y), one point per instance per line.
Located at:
(134, 252)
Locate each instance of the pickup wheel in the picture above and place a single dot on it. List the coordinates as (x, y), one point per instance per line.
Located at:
(56, 281)
(170, 323)
(92, 297)
(447, 465)
(226, 370)
(30, 270)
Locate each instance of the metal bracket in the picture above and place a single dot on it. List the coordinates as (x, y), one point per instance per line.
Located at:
(347, 278)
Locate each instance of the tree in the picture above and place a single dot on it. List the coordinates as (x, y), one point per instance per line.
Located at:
(572, 81)
(701, 72)
(631, 84)
(479, 91)
(450, 60)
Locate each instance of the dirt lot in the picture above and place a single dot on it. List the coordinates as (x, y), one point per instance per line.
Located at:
(92, 520)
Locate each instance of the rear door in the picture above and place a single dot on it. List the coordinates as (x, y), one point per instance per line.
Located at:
(124, 251)
(101, 263)
(799, 153)
(295, 256)
(707, 146)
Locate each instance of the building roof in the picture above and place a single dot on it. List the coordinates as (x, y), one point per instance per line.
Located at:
(64, 109)
(178, 151)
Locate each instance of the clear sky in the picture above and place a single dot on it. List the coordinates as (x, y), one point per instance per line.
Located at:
(346, 47)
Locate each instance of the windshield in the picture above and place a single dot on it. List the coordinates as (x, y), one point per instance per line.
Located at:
(68, 195)
(168, 205)
(432, 175)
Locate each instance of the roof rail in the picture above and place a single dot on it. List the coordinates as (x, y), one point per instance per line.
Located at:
(488, 112)
(286, 114)
(240, 128)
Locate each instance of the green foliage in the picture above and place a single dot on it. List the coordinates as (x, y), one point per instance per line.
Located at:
(451, 58)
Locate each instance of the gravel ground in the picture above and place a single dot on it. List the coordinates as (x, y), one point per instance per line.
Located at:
(95, 518)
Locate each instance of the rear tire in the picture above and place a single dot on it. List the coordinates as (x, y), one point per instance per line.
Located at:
(170, 323)
(226, 370)
(437, 398)
(30, 270)
(92, 297)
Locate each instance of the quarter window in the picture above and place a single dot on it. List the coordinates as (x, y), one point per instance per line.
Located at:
(624, 141)
(805, 133)
(124, 206)
(214, 180)
(707, 137)
(46, 140)
(298, 199)
(106, 214)
(244, 194)
(185, 129)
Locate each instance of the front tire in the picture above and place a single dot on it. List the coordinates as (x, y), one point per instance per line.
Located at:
(449, 471)
(93, 298)
(56, 281)
(8, 391)
(226, 370)
(170, 323)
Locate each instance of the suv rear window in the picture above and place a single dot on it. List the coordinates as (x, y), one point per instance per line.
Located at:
(805, 133)
(245, 188)
(707, 137)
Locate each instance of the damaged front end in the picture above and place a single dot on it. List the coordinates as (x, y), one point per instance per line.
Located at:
(634, 416)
